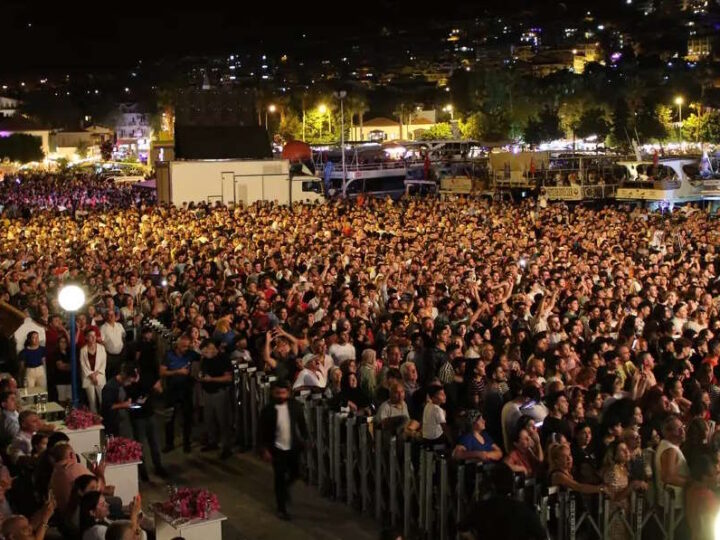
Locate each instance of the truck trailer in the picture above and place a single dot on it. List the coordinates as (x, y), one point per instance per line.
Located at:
(234, 181)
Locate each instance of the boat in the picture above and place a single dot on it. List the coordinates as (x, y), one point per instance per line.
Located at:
(666, 181)
(371, 169)
(457, 166)
(392, 168)
(571, 177)
(706, 175)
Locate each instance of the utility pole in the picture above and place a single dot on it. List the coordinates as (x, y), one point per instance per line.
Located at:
(341, 95)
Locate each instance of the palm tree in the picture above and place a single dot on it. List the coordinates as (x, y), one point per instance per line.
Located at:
(356, 104)
(401, 111)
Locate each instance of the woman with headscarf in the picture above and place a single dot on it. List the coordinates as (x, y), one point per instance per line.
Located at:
(352, 395)
(368, 372)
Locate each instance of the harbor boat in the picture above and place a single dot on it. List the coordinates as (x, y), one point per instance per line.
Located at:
(371, 169)
(665, 181)
(457, 166)
(572, 177)
(706, 176)
(392, 168)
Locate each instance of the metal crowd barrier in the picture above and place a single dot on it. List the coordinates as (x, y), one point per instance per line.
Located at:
(424, 493)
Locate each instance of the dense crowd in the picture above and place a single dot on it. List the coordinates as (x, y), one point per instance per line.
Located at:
(576, 345)
(31, 191)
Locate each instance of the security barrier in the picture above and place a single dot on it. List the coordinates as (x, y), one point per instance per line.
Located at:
(424, 493)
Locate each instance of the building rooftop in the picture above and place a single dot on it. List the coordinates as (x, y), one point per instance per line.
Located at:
(380, 121)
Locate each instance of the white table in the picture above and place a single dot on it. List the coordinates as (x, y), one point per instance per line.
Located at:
(83, 440)
(123, 476)
(51, 409)
(30, 392)
(197, 529)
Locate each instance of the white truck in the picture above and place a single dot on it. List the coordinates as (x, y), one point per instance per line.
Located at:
(234, 181)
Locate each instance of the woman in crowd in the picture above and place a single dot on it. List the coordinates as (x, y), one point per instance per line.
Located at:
(63, 370)
(696, 439)
(82, 485)
(526, 456)
(352, 396)
(701, 501)
(334, 387)
(473, 382)
(368, 372)
(560, 465)
(93, 360)
(476, 444)
(94, 513)
(32, 362)
(616, 478)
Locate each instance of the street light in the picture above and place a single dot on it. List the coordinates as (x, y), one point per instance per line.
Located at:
(449, 108)
(679, 102)
(271, 109)
(71, 298)
(322, 109)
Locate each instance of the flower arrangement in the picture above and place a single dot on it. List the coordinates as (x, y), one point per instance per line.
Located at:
(123, 450)
(82, 419)
(190, 503)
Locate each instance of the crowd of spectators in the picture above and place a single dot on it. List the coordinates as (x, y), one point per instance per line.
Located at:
(576, 345)
(26, 192)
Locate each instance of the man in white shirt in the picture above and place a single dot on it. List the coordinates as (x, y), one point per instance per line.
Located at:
(325, 361)
(135, 288)
(282, 437)
(9, 421)
(113, 337)
(21, 445)
(680, 318)
(434, 424)
(343, 349)
(311, 377)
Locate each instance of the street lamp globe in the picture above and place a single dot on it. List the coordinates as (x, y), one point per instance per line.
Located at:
(71, 298)
(679, 100)
(272, 108)
(322, 108)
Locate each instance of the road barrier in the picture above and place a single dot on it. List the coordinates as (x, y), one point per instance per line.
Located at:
(423, 492)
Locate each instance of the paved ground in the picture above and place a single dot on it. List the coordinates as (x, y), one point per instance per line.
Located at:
(244, 486)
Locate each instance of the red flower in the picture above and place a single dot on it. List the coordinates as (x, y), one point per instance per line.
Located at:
(123, 450)
(82, 419)
(191, 503)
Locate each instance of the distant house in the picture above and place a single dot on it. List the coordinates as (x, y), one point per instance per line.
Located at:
(8, 107)
(699, 47)
(377, 129)
(19, 125)
(387, 129)
(132, 131)
(68, 143)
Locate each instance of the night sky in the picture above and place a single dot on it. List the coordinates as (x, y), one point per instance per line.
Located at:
(39, 35)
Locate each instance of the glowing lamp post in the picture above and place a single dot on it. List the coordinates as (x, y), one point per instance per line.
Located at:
(322, 109)
(679, 102)
(71, 299)
(271, 109)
